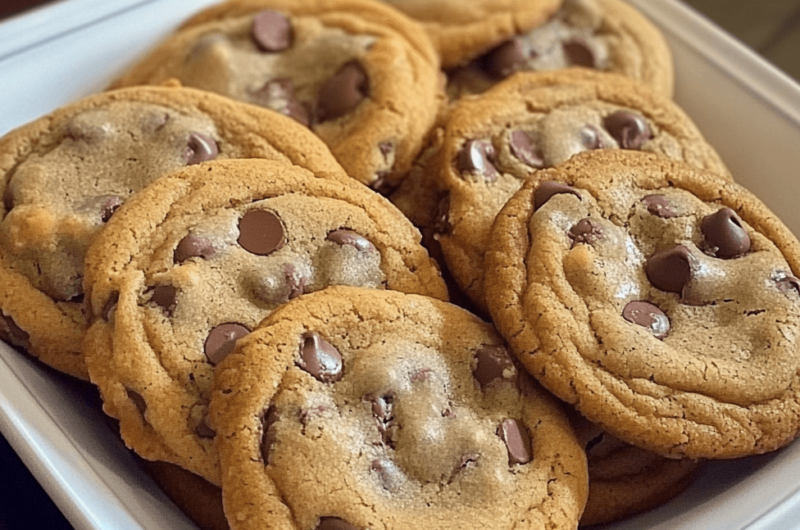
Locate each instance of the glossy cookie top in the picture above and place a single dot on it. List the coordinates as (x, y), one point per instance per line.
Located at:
(65, 174)
(361, 75)
(196, 260)
(364, 409)
(662, 301)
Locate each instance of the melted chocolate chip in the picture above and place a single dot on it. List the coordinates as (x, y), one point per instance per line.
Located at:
(261, 232)
(382, 412)
(630, 130)
(268, 419)
(648, 316)
(320, 358)
(193, 246)
(659, 206)
(585, 231)
(515, 435)
(278, 95)
(788, 284)
(578, 53)
(222, 339)
(110, 306)
(271, 31)
(200, 148)
(590, 137)
(476, 157)
(334, 523)
(138, 401)
(725, 237)
(342, 236)
(491, 363)
(203, 430)
(546, 189)
(671, 269)
(108, 206)
(441, 221)
(163, 295)
(522, 147)
(343, 92)
(506, 59)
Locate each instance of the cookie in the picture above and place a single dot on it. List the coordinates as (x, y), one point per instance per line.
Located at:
(360, 74)
(358, 409)
(197, 259)
(63, 176)
(661, 300)
(495, 141)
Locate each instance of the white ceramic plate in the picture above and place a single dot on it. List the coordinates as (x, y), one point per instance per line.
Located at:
(747, 109)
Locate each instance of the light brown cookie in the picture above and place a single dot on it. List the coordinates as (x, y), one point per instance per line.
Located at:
(197, 259)
(662, 301)
(62, 177)
(493, 142)
(355, 409)
(360, 74)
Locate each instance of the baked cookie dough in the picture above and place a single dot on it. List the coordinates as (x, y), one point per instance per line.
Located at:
(63, 176)
(355, 409)
(492, 143)
(360, 74)
(661, 300)
(196, 260)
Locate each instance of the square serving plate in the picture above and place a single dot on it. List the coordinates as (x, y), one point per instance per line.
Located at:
(746, 108)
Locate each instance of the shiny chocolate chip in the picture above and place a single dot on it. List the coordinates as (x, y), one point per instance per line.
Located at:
(517, 440)
(647, 315)
(164, 295)
(261, 232)
(343, 92)
(200, 148)
(441, 221)
(670, 269)
(546, 189)
(271, 31)
(590, 137)
(788, 284)
(523, 147)
(110, 306)
(659, 206)
(492, 363)
(137, 400)
(193, 246)
(476, 156)
(320, 358)
(586, 231)
(343, 237)
(629, 129)
(334, 523)
(268, 419)
(578, 53)
(279, 95)
(222, 339)
(506, 59)
(203, 430)
(108, 206)
(725, 237)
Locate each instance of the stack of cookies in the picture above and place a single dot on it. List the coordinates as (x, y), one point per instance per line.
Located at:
(338, 264)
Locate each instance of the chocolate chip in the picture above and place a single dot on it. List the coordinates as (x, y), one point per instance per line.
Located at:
(203, 430)
(491, 363)
(222, 339)
(271, 31)
(278, 95)
(630, 130)
(163, 295)
(547, 188)
(200, 148)
(386, 148)
(17, 335)
(725, 237)
(108, 206)
(648, 316)
(343, 92)
(295, 280)
(342, 236)
(788, 284)
(514, 434)
(590, 137)
(8, 198)
(671, 269)
(334, 523)
(524, 149)
(268, 419)
(138, 401)
(261, 232)
(506, 59)
(388, 474)
(476, 157)
(659, 206)
(578, 53)
(320, 358)
(441, 221)
(382, 411)
(585, 231)
(110, 306)
(193, 246)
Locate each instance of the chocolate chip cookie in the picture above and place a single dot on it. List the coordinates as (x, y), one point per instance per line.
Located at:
(356, 409)
(194, 262)
(360, 74)
(661, 300)
(495, 141)
(64, 175)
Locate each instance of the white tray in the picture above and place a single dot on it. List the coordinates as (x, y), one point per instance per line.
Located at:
(747, 109)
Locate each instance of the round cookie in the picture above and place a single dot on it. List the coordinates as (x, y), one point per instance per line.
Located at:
(357, 409)
(197, 259)
(62, 177)
(360, 74)
(662, 301)
(493, 142)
